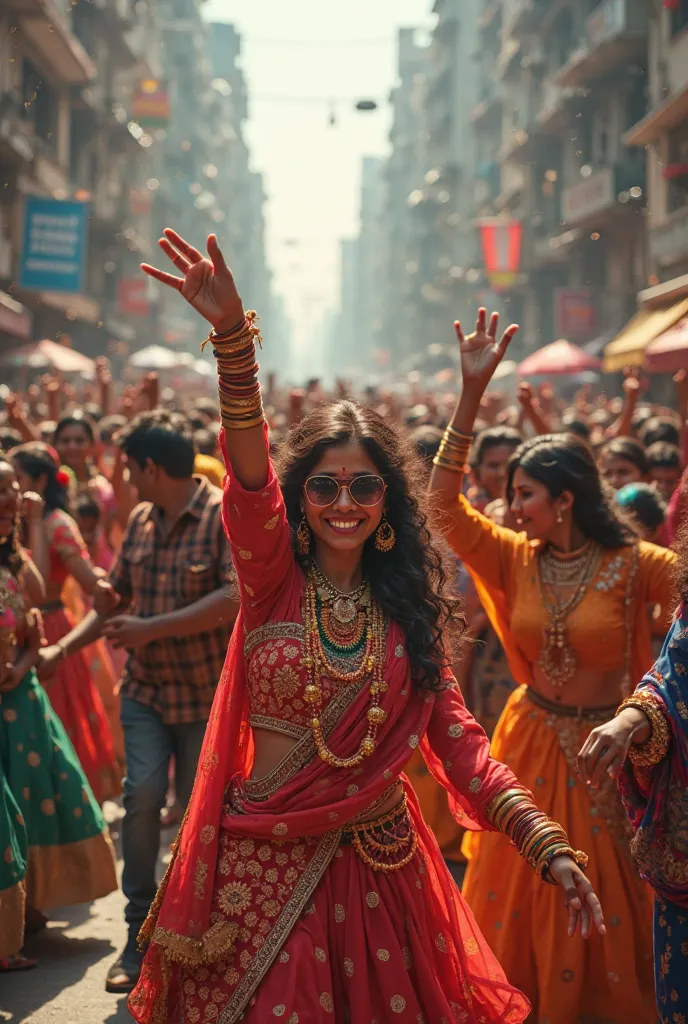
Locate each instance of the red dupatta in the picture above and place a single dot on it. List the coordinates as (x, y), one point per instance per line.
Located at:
(302, 797)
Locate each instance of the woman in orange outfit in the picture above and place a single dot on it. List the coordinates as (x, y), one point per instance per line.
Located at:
(568, 598)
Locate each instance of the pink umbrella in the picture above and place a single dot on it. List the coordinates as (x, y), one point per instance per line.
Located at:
(559, 357)
(669, 352)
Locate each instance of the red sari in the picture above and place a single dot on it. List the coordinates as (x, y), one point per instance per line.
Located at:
(72, 690)
(263, 912)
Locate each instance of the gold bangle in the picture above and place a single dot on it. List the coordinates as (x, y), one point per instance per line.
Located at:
(451, 432)
(451, 467)
(654, 749)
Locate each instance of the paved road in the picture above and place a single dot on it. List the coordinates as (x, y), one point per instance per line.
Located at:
(74, 954)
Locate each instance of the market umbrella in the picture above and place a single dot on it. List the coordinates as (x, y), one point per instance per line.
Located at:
(669, 352)
(45, 354)
(559, 357)
(155, 357)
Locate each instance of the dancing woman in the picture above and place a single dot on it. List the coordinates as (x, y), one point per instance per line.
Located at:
(305, 884)
(73, 691)
(568, 597)
(646, 746)
(57, 849)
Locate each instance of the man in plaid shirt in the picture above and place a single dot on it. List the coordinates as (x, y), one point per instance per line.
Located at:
(171, 603)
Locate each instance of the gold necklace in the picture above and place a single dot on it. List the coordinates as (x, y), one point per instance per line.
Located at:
(344, 606)
(558, 660)
(563, 572)
(319, 665)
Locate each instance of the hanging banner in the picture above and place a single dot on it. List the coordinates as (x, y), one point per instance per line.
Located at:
(501, 244)
(150, 105)
(54, 246)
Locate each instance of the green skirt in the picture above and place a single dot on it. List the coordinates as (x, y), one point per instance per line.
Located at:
(70, 856)
(13, 853)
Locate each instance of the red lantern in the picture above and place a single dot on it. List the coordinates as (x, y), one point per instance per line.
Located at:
(501, 251)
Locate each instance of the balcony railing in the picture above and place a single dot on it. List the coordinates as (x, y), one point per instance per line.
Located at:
(607, 190)
(615, 34)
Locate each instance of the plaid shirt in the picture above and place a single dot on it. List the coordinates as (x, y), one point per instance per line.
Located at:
(157, 573)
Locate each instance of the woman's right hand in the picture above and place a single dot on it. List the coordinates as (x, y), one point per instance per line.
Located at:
(480, 352)
(206, 283)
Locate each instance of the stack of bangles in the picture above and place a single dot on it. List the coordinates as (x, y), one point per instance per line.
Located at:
(653, 750)
(453, 451)
(537, 838)
(241, 404)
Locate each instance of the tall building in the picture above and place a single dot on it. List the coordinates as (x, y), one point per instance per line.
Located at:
(66, 80)
(574, 82)
(663, 132)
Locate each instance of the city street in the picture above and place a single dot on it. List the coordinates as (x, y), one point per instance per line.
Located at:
(74, 954)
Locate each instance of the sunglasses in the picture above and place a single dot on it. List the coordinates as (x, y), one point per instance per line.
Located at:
(366, 490)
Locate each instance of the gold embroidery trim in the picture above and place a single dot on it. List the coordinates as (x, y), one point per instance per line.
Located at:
(273, 631)
(304, 751)
(291, 912)
(296, 732)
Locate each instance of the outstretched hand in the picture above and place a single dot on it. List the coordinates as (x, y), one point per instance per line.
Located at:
(206, 282)
(581, 902)
(480, 352)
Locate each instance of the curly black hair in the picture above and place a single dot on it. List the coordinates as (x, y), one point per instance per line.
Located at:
(409, 583)
(11, 554)
(563, 462)
(681, 563)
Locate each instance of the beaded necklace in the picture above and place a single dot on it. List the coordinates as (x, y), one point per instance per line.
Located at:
(371, 649)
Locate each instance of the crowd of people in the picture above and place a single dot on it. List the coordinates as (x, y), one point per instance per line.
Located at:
(342, 645)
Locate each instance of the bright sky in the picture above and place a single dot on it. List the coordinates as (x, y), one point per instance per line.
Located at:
(312, 170)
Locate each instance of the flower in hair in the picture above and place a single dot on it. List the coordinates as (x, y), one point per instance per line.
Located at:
(62, 477)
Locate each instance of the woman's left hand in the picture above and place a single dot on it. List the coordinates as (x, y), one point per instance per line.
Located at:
(581, 902)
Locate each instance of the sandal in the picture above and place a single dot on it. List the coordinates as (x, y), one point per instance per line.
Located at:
(16, 963)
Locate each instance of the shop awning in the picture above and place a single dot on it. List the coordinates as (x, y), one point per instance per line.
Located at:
(628, 348)
(669, 352)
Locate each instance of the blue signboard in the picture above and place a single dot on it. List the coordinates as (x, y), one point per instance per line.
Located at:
(54, 249)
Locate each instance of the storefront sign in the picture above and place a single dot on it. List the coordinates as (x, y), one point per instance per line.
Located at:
(150, 105)
(54, 245)
(132, 296)
(575, 315)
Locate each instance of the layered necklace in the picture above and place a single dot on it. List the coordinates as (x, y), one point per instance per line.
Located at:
(343, 630)
(558, 660)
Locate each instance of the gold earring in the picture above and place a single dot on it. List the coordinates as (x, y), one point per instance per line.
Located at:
(303, 537)
(385, 536)
(560, 518)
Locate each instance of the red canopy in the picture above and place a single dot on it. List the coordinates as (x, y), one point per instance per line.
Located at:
(669, 352)
(559, 357)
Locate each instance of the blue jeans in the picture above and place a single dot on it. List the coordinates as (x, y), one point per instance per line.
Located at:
(149, 744)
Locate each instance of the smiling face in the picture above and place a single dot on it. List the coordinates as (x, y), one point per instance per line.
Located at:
(618, 472)
(74, 447)
(344, 525)
(535, 510)
(9, 497)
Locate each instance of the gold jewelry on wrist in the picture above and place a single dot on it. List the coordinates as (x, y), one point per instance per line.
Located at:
(537, 838)
(247, 329)
(653, 750)
(453, 451)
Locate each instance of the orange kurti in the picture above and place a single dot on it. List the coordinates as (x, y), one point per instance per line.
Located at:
(608, 979)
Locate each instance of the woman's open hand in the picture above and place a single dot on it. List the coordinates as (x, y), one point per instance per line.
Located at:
(607, 746)
(206, 282)
(581, 902)
(480, 352)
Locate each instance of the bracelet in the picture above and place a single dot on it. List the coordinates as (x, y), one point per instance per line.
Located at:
(653, 750)
(248, 328)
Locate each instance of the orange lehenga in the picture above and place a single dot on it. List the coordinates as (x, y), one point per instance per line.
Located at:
(273, 906)
(607, 980)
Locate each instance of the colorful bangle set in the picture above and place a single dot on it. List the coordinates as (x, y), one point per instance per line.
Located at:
(453, 451)
(653, 750)
(241, 404)
(537, 838)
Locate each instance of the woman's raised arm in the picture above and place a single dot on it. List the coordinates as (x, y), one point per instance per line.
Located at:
(207, 285)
